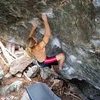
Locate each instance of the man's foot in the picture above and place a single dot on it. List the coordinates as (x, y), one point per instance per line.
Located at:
(57, 77)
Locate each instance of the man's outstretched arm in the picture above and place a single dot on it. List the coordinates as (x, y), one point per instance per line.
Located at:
(33, 29)
(47, 31)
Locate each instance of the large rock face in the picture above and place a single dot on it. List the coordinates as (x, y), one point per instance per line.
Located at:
(75, 28)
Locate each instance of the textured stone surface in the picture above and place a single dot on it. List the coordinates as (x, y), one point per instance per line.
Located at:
(1, 75)
(19, 64)
(45, 73)
(75, 27)
(11, 88)
(32, 71)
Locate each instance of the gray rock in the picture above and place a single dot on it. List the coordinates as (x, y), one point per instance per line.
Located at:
(32, 71)
(11, 88)
(10, 98)
(25, 96)
(1, 75)
(96, 3)
(19, 74)
(45, 73)
(8, 75)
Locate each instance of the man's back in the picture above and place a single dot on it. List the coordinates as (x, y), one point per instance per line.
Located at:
(40, 53)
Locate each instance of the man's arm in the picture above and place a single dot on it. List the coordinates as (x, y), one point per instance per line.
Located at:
(33, 29)
(47, 31)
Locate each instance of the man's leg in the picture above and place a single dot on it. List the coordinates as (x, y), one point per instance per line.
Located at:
(61, 58)
(53, 70)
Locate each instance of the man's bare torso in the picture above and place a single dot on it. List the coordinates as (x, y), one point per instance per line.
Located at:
(39, 53)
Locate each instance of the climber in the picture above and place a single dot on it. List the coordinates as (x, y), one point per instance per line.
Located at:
(33, 48)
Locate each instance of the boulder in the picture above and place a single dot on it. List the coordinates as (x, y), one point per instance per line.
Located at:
(11, 88)
(32, 71)
(45, 73)
(75, 28)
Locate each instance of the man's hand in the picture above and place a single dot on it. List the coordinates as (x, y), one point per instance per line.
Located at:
(35, 24)
(44, 17)
(33, 29)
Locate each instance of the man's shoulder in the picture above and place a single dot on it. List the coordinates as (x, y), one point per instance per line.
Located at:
(41, 45)
(38, 47)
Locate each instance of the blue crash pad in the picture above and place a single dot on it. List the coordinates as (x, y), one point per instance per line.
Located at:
(40, 91)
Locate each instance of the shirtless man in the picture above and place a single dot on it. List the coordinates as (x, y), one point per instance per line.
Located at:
(33, 48)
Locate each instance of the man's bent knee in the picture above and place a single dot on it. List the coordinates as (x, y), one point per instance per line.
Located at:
(60, 56)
